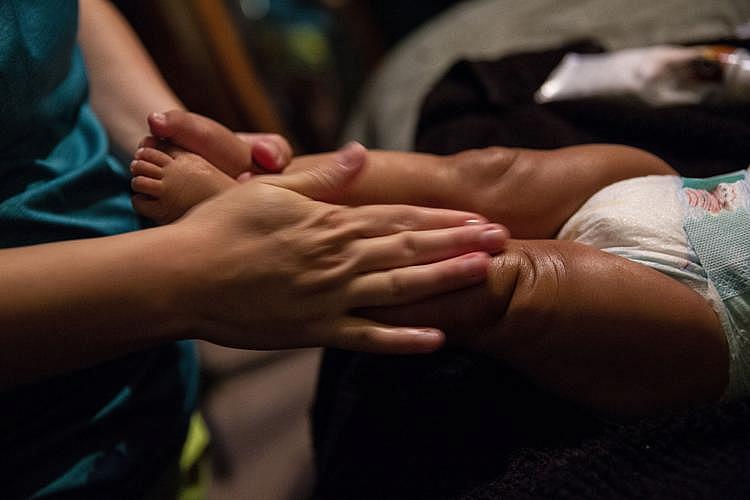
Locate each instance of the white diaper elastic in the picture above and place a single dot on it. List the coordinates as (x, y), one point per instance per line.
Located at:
(643, 220)
(640, 219)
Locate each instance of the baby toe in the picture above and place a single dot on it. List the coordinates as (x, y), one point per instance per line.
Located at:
(146, 185)
(158, 157)
(146, 169)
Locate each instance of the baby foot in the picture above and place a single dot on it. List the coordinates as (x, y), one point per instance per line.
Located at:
(169, 182)
(233, 154)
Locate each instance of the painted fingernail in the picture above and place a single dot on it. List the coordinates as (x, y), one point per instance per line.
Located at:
(494, 237)
(272, 148)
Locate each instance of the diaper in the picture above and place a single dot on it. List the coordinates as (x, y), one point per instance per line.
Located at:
(647, 220)
(717, 224)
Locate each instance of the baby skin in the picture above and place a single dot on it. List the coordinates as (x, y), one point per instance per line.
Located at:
(519, 187)
(593, 327)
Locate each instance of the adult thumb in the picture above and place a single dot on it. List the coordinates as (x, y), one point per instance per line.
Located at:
(325, 180)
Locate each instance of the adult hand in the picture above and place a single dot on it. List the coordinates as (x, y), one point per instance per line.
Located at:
(263, 152)
(271, 153)
(272, 268)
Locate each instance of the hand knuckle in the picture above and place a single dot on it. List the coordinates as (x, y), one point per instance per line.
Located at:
(397, 287)
(409, 245)
(406, 221)
(331, 217)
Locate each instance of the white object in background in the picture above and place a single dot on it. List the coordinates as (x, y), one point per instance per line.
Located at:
(657, 75)
(737, 73)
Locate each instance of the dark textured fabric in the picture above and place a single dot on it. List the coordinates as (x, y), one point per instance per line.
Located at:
(458, 425)
(488, 103)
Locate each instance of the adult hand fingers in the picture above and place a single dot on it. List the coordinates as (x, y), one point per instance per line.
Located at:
(410, 284)
(420, 247)
(219, 145)
(461, 314)
(370, 221)
(328, 177)
(359, 334)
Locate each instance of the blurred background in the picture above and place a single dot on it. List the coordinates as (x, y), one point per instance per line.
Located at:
(294, 67)
(290, 66)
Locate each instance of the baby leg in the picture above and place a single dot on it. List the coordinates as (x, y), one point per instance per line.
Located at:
(169, 181)
(532, 192)
(535, 191)
(646, 345)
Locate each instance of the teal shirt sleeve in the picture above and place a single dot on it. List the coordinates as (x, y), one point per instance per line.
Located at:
(110, 430)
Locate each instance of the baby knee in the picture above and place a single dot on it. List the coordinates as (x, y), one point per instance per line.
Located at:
(495, 159)
(525, 281)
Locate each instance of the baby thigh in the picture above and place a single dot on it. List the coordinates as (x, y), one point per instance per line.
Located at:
(595, 328)
(534, 192)
(600, 329)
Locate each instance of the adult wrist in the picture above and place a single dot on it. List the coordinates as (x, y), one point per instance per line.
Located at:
(168, 284)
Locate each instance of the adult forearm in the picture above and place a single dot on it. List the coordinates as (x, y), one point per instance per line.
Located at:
(125, 83)
(261, 266)
(73, 304)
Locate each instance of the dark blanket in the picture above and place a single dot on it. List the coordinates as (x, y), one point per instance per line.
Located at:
(459, 425)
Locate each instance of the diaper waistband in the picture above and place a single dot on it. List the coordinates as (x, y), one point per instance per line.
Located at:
(717, 223)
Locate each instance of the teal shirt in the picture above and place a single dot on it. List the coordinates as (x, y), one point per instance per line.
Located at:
(107, 431)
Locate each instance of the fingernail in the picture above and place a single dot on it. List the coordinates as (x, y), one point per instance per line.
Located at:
(474, 264)
(244, 177)
(272, 148)
(132, 165)
(425, 332)
(350, 156)
(494, 238)
(159, 118)
(474, 222)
